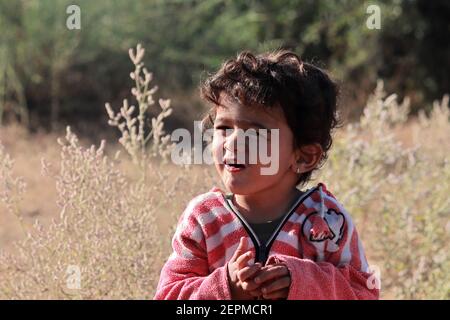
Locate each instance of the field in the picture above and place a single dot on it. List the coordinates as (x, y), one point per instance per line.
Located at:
(67, 207)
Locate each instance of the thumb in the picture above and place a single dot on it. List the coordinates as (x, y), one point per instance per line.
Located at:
(242, 248)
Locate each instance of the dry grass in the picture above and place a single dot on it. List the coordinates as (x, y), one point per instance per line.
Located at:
(112, 216)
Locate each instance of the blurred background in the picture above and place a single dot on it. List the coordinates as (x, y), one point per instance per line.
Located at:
(65, 206)
(51, 76)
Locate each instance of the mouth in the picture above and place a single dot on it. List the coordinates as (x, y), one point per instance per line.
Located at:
(232, 166)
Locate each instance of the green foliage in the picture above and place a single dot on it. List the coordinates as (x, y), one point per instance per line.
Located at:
(108, 219)
(52, 72)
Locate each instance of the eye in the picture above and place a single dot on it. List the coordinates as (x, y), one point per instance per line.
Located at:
(263, 133)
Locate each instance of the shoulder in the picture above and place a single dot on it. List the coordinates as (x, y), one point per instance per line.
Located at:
(324, 212)
(322, 196)
(328, 231)
(208, 200)
(201, 207)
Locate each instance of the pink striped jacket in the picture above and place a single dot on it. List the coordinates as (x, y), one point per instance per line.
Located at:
(316, 240)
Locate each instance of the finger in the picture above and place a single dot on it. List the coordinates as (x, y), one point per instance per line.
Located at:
(256, 293)
(277, 285)
(268, 267)
(243, 260)
(242, 247)
(250, 285)
(280, 294)
(275, 265)
(247, 272)
(271, 273)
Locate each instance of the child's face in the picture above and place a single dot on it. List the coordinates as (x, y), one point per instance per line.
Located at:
(231, 120)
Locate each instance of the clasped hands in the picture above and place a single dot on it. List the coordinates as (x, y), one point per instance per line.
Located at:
(248, 280)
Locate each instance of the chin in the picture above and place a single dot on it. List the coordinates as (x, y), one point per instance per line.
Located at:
(240, 188)
(237, 188)
(246, 184)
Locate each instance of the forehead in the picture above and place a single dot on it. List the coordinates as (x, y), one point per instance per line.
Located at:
(230, 109)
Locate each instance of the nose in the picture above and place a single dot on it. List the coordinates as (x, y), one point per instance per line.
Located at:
(235, 142)
(231, 141)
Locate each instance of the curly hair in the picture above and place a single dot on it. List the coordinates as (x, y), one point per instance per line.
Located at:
(305, 93)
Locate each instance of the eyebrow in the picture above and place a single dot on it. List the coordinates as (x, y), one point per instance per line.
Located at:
(248, 122)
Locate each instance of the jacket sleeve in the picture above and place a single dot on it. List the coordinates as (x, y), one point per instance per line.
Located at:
(332, 271)
(186, 274)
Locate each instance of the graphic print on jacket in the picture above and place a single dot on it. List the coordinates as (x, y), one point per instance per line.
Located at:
(317, 241)
(334, 222)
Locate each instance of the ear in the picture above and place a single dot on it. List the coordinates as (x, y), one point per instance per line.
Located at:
(308, 158)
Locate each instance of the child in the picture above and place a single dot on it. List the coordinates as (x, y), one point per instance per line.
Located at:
(265, 238)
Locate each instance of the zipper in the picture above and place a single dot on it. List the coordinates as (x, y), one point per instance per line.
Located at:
(262, 249)
(259, 248)
(286, 218)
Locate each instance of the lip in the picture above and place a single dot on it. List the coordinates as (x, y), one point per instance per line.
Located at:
(233, 169)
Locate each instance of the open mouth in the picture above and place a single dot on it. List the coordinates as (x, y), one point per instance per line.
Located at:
(230, 165)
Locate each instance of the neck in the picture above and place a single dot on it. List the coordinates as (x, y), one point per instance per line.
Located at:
(267, 204)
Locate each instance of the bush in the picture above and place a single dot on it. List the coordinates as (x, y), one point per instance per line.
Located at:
(398, 195)
(109, 240)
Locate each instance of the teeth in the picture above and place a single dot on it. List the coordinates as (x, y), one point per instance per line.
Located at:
(231, 162)
(235, 165)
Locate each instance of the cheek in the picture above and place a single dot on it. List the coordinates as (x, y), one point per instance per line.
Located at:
(217, 147)
(281, 149)
(278, 145)
(286, 154)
